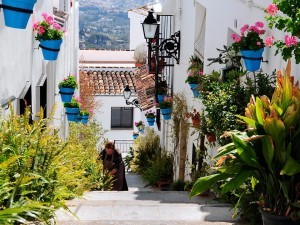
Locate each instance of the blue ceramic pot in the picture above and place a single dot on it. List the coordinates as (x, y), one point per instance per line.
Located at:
(252, 59)
(18, 17)
(135, 136)
(50, 48)
(160, 98)
(78, 118)
(166, 113)
(151, 121)
(194, 88)
(84, 119)
(72, 113)
(66, 94)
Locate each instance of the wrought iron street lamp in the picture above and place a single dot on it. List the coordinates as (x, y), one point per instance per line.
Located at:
(127, 93)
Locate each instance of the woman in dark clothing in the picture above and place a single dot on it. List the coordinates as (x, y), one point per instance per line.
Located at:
(113, 162)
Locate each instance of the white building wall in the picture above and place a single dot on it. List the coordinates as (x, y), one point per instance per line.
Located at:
(21, 61)
(104, 116)
(136, 30)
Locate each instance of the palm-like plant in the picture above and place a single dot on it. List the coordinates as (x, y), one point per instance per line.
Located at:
(266, 155)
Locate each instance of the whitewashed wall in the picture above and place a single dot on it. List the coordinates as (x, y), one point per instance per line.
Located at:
(21, 61)
(136, 30)
(104, 116)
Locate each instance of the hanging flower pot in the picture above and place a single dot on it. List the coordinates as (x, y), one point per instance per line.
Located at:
(167, 113)
(211, 137)
(17, 12)
(270, 219)
(50, 48)
(252, 59)
(196, 122)
(78, 118)
(135, 135)
(194, 88)
(160, 98)
(84, 119)
(72, 113)
(151, 121)
(66, 94)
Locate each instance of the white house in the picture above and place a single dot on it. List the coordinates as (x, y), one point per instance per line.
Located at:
(28, 79)
(205, 25)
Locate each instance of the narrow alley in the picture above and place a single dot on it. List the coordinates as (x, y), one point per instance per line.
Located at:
(147, 206)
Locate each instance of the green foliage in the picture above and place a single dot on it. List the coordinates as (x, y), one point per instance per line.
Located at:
(166, 103)
(84, 113)
(39, 171)
(178, 185)
(267, 154)
(160, 169)
(195, 65)
(73, 104)
(68, 82)
(129, 159)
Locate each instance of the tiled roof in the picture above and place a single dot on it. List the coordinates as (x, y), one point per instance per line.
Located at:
(112, 82)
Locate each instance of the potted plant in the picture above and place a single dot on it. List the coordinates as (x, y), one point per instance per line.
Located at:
(84, 116)
(72, 109)
(250, 44)
(266, 155)
(150, 116)
(195, 116)
(17, 12)
(67, 88)
(49, 34)
(162, 90)
(140, 126)
(166, 107)
(135, 135)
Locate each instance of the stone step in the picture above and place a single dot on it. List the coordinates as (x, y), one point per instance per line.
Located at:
(145, 222)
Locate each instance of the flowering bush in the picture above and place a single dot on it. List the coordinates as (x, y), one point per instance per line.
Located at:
(48, 29)
(249, 39)
(139, 124)
(75, 103)
(68, 82)
(150, 114)
(195, 70)
(166, 103)
(287, 21)
(194, 78)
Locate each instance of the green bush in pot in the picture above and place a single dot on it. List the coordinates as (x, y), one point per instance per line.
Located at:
(267, 155)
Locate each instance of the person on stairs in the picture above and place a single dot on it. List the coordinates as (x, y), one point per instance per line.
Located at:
(113, 162)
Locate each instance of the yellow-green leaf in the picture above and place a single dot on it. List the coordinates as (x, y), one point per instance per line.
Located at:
(268, 149)
(237, 181)
(291, 167)
(249, 121)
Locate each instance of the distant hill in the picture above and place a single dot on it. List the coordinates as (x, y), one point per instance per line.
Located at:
(104, 24)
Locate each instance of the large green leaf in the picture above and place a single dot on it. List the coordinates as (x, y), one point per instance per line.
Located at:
(237, 181)
(268, 149)
(226, 149)
(246, 152)
(290, 168)
(259, 111)
(204, 183)
(275, 128)
(290, 116)
(230, 169)
(249, 121)
(287, 93)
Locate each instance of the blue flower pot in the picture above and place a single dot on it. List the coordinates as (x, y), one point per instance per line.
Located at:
(194, 88)
(135, 136)
(14, 18)
(151, 121)
(166, 113)
(84, 119)
(78, 118)
(252, 59)
(160, 98)
(72, 113)
(50, 48)
(66, 94)
(141, 130)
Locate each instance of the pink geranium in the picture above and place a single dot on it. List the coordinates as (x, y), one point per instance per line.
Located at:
(290, 40)
(269, 41)
(272, 9)
(236, 37)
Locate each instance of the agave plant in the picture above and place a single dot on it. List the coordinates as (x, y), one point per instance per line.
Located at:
(267, 155)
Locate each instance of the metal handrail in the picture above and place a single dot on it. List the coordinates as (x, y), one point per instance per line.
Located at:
(123, 146)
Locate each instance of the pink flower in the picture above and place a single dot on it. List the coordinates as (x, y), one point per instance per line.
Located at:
(244, 28)
(45, 15)
(259, 24)
(269, 41)
(261, 31)
(90, 111)
(290, 40)
(272, 9)
(40, 30)
(258, 43)
(35, 26)
(254, 29)
(56, 26)
(49, 20)
(236, 37)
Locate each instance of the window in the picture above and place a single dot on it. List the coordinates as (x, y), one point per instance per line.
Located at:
(121, 117)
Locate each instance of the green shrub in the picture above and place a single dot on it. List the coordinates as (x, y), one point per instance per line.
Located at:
(178, 185)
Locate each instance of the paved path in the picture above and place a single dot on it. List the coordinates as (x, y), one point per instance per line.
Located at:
(144, 206)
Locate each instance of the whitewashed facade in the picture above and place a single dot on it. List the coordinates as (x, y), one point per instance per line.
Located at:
(23, 68)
